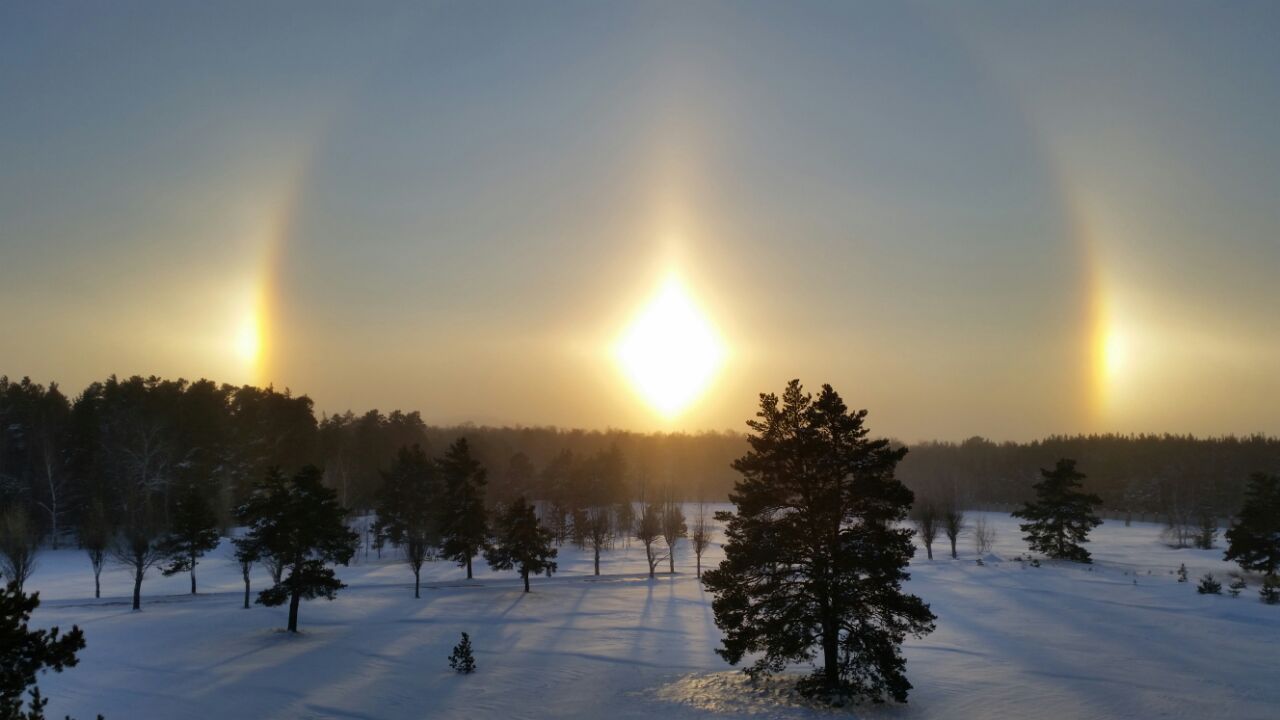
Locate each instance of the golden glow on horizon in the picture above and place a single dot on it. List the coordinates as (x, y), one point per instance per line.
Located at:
(670, 352)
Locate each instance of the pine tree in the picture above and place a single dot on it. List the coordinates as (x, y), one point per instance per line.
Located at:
(1270, 590)
(463, 529)
(814, 558)
(1236, 586)
(24, 653)
(1254, 540)
(1182, 572)
(1209, 586)
(409, 509)
(299, 522)
(1062, 516)
(461, 659)
(1207, 531)
(521, 543)
(194, 532)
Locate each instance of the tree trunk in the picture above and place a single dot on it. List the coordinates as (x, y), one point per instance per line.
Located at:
(597, 559)
(293, 611)
(246, 591)
(137, 589)
(953, 548)
(928, 548)
(468, 568)
(671, 560)
(831, 655)
(699, 564)
(193, 574)
(524, 574)
(416, 583)
(97, 584)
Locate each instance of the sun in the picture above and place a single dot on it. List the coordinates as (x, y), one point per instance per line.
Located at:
(670, 352)
(248, 340)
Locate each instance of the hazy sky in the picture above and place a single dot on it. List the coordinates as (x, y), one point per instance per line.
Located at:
(1007, 219)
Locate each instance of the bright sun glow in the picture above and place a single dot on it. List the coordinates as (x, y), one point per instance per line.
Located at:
(1114, 353)
(670, 352)
(248, 341)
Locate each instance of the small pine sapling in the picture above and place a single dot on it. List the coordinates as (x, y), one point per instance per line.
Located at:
(1182, 572)
(1236, 586)
(1209, 586)
(461, 660)
(1270, 590)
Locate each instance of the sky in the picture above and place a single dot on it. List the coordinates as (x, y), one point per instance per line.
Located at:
(1005, 219)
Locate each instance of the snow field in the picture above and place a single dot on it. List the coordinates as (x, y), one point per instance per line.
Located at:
(1012, 641)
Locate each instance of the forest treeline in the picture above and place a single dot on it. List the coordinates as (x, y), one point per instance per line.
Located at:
(124, 444)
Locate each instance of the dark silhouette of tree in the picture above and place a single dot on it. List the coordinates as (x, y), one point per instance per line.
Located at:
(1061, 516)
(19, 545)
(247, 554)
(649, 532)
(193, 533)
(463, 530)
(952, 524)
(137, 547)
(814, 557)
(673, 529)
(95, 537)
(520, 542)
(1253, 541)
(300, 522)
(409, 511)
(599, 531)
(461, 660)
(924, 515)
(24, 653)
(700, 535)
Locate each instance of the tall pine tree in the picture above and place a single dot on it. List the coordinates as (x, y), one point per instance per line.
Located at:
(409, 509)
(193, 533)
(24, 653)
(300, 523)
(463, 528)
(1253, 540)
(814, 558)
(520, 542)
(1061, 516)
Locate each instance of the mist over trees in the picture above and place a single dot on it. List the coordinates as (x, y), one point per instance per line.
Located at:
(125, 452)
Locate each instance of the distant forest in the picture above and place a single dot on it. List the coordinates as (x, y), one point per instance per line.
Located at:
(128, 442)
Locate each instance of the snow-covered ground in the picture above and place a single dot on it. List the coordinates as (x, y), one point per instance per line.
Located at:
(1012, 641)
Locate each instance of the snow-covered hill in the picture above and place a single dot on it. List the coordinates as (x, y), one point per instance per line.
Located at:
(1120, 639)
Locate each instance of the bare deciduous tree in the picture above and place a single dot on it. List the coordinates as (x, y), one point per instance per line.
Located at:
(599, 531)
(95, 538)
(19, 544)
(953, 524)
(673, 528)
(137, 547)
(925, 517)
(700, 535)
(648, 532)
(984, 535)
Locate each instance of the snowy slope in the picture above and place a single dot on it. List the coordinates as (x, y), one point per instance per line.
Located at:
(1013, 641)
